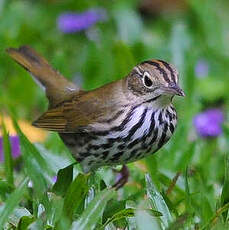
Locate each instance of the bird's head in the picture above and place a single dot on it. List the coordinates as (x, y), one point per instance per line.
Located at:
(154, 80)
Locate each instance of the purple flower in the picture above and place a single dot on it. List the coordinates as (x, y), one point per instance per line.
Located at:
(201, 68)
(54, 179)
(70, 22)
(209, 123)
(15, 147)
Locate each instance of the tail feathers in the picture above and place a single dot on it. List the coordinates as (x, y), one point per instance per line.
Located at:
(57, 87)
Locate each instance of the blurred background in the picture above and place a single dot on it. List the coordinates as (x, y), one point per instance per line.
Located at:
(93, 42)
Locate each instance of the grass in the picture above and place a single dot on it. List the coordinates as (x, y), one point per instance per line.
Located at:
(183, 186)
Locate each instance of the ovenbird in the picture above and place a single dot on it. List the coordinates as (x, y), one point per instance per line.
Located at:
(118, 123)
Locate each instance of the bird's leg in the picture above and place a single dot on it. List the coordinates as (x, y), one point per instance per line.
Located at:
(123, 176)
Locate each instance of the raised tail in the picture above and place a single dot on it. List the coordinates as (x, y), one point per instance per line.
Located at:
(57, 87)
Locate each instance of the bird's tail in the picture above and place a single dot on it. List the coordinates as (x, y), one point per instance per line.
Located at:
(57, 87)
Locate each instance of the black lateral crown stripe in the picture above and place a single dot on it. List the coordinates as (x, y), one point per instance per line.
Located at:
(168, 67)
(162, 71)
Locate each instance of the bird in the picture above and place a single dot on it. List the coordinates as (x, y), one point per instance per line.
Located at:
(115, 124)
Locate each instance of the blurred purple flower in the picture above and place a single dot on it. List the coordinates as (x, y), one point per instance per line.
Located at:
(54, 179)
(201, 68)
(70, 22)
(209, 123)
(15, 147)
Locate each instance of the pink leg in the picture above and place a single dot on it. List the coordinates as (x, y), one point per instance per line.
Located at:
(122, 177)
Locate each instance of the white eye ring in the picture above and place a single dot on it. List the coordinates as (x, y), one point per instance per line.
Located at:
(147, 80)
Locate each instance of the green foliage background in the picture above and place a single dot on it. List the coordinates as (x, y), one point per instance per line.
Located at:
(29, 199)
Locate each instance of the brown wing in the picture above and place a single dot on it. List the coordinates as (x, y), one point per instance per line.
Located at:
(84, 109)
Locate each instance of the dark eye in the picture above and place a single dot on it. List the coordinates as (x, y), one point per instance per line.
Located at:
(147, 80)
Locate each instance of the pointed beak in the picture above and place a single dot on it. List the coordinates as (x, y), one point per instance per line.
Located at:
(178, 91)
(174, 90)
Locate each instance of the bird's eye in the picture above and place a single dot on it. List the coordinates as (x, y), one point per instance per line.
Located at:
(147, 81)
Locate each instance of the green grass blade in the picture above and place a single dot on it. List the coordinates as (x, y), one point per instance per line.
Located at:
(35, 165)
(215, 218)
(8, 159)
(188, 194)
(12, 201)
(225, 190)
(158, 203)
(186, 157)
(152, 166)
(179, 223)
(94, 211)
(56, 205)
(31, 149)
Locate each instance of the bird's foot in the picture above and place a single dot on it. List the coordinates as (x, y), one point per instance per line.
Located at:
(122, 177)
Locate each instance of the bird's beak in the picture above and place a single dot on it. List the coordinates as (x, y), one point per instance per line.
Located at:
(174, 90)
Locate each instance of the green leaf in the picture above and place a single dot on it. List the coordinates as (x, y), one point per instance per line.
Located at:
(17, 214)
(12, 201)
(153, 212)
(35, 165)
(129, 212)
(64, 179)
(158, 203)
(37, 225)
(25, 221)
(113, 206)
(8, 159)
(55, 161)
(94, 211)
(131, 221)
(146, 222)
(5, 189)
(75, 195)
